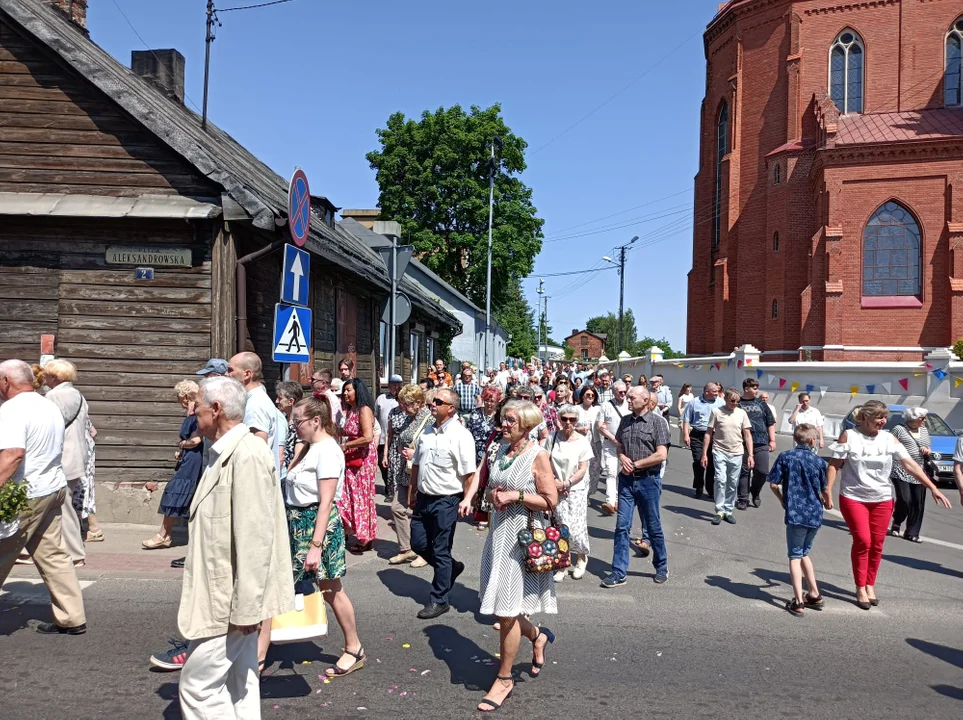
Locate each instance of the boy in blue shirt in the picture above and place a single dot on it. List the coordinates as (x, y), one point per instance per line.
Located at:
(798, 479)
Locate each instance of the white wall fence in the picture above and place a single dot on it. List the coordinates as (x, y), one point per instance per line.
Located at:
(835, 387)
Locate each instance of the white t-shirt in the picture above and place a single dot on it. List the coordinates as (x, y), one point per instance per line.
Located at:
(31, 422)
(612, 416)
(812, 416)
(383, 407)
(261, 415)
(322, 461)
(686, 399)
(568, 454)
(869, 461)
(589, 418)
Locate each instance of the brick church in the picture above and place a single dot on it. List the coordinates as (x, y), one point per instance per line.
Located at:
(829, 197)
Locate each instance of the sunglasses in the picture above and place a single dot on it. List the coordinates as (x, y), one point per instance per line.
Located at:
(438, 402)
(568, 419)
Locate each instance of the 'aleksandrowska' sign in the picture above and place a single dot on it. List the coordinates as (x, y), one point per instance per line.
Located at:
(163, 257)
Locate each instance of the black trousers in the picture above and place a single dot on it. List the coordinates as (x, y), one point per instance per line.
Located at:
(752, 481)
(703, 478)
(432, 534)
(910, 503)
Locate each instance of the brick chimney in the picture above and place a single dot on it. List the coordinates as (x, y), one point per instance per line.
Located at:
(76, 10)
(164, 68)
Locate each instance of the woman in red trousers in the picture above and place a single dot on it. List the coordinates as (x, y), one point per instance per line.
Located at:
(863, 458)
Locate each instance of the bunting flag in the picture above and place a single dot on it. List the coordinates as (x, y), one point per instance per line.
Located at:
(782, 383)
(957, 382)
(853, 389)
(822, 390)
(718, 366)
(770, 379)
(887, 387)
(928, 366)
(794, 387)
(748, 362)
(709, 367)
(810, 388)
(758, 374)
(739, 364)
(904, 383)
(871, 388)
(941, 373)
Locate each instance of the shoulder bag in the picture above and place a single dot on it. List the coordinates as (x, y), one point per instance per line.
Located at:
(928, 465)
(545, 550)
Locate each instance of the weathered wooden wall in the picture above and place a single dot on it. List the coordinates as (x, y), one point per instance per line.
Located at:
(58, 133)
(131, 340)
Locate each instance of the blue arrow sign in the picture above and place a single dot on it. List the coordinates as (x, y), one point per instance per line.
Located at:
(294, 276)
(292, 334)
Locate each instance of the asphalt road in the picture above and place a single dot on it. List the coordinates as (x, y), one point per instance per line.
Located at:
(712, 642)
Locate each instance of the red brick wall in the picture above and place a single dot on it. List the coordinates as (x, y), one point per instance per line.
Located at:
(768, 59)
(586, 341)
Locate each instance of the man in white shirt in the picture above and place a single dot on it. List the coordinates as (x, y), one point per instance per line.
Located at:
(260, 414)
(443, 481)
(501, 377)
(31, 446)
(609, 420)
(385, 403)
(806, 414)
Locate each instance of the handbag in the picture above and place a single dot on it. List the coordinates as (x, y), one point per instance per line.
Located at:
(928, 464)
(307, 621)
(545, 550)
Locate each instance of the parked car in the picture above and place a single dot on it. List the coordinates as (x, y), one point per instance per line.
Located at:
(942, 438)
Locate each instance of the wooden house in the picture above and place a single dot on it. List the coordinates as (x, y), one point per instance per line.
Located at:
(144, 244)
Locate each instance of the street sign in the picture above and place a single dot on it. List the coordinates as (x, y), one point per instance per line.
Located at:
(404, 257)
(402, 309)
(295, 273)
(299, 207)
(292, 334)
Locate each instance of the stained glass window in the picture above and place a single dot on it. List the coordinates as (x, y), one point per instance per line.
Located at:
(892, 252)
(722, 149)
(953, 79)
(846, 72)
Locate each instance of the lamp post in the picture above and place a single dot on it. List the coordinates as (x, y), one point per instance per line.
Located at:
(621, 265)
(541, 290)
(492, 171)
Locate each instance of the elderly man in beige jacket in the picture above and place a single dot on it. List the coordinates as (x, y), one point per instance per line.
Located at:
(238, 567)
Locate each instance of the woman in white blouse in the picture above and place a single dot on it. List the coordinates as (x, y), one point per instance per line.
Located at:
(863, 457)
(570, 456)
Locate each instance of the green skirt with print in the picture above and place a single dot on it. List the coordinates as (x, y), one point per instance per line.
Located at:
(301, 523)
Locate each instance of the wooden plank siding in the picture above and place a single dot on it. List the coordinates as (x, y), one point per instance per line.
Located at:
(131, 340)
(58, 133)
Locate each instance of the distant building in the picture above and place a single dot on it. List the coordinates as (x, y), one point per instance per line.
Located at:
(587, 345)
(552, 352)
(828, 210)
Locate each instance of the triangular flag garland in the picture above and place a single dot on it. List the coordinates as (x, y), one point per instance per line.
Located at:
(794, 387)
(822, 390)
(810, 388)
(941, 373)
(853, 389)
(782, 383)
(904, 383)
(771, 379)
(871, 388)
(758, 374)
(887, 387)
(957, 382)
(739, 364)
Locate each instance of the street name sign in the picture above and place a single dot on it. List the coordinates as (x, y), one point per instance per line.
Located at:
(295, 275)
(292, 334)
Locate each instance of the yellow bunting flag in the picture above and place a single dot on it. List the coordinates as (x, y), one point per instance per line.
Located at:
(794, 386)
(853, 389)
(958, 382)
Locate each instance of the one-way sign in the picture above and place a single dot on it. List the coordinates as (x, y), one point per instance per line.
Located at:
(295, 276)
(292, 334)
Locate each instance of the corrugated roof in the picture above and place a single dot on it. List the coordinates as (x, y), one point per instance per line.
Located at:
(908, 126)
(260, 191)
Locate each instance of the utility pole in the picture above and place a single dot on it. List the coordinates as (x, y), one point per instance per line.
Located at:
(393, 328)
(492, 170)
(541, 291)
(545, 325)
(621, 265)
(208, 39)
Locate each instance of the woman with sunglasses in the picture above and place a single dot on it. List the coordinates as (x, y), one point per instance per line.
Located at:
(571, 454)
(357, 505)
(589, 414)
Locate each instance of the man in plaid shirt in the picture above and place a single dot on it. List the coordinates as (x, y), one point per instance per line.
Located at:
(468, 392)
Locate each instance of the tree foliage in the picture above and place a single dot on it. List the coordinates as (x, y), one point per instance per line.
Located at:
(609, 324)
(433, 176)
(518, 318)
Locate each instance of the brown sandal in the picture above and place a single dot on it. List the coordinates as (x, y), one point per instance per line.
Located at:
(156, 542)
(359, 658)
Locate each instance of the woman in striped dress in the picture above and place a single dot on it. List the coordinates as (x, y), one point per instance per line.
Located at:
(910, 493)
(520, 480)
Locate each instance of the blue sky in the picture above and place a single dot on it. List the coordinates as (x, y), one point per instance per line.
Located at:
(308, 82)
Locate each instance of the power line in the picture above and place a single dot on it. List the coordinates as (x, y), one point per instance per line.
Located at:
(625, 224)
(610, 99)
(253, 7)
(622, 212)
(144, 43)
(571, 272)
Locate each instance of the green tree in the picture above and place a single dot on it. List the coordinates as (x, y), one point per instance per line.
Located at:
(645, 343)
(433, 176)
(518, 318)
(609, 325)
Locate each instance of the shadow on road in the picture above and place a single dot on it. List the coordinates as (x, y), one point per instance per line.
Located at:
(945, 653)
(417, 587)
(746, 590)
(14, 616)
(772, 577)
(694, 513)
(927, 565)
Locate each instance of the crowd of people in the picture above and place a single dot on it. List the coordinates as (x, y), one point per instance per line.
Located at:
(275, 493)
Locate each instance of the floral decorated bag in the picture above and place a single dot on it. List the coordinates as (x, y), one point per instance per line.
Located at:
(545, 550)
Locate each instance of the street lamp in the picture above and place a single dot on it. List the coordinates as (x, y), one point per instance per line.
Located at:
(621, 265)
(492, 172)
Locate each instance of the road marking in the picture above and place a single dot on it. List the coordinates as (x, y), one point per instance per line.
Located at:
(30, 591)
(931, 541)
(830, 608)
(596, 597)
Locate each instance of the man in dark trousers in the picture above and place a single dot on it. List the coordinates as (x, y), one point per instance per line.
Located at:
(443, 481)
(695, 421)
(752, 480)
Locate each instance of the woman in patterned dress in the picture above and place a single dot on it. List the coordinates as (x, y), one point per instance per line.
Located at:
(482, 424)
(520, 480)
(357, 504)
(589, 414)
(910, 493)
(570, 455)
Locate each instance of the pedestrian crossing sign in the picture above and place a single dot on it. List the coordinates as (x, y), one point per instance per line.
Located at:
(292, 334)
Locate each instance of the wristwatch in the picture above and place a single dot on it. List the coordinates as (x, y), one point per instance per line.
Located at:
(317, 543)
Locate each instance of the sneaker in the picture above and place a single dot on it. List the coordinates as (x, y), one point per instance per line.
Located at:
(559, 576)
(742, 505)
(717, 519)
(756, 501)
(613, 580)
(578, 572)
(419, 562)
(661, 578)
(730, 519)
(173, 659)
